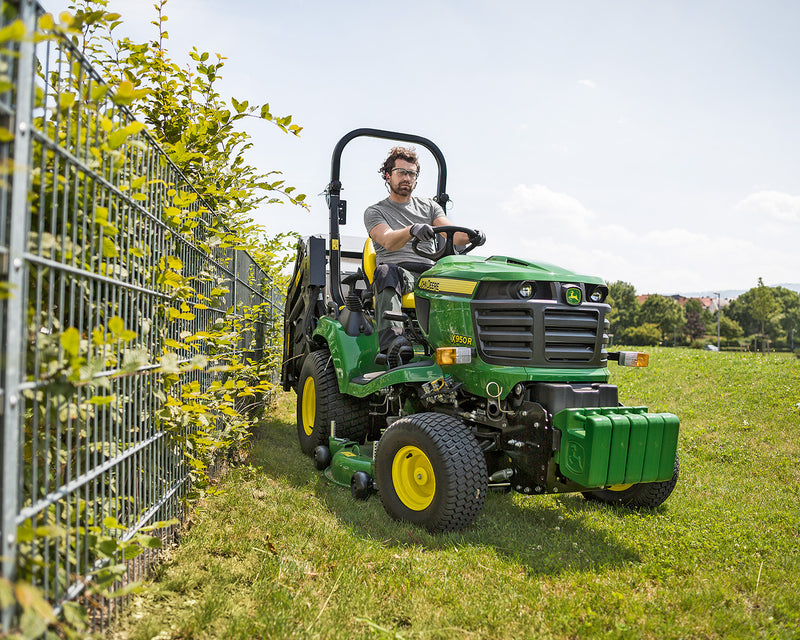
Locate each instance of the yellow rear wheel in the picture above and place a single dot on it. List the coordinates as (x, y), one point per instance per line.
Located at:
(320, 403)
(309, 406)
(413, 478)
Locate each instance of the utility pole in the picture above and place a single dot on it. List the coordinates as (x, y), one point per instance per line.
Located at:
(719, 314)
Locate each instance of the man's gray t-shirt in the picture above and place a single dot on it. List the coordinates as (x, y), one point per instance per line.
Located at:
(398, 216)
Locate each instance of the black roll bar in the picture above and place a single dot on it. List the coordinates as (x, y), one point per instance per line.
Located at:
(335, 204)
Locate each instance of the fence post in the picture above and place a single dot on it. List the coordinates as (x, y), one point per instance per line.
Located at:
(16, 306)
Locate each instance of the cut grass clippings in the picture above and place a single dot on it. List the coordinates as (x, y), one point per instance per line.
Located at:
(283, 553)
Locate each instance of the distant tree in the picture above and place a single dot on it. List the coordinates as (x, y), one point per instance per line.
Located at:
(695, 325)
(729, 329)
(739, 310)
(663, 312)
(648, 334)
(764, 303)
(774, 311)
(791, 321)
(624, 312)
(788, 320)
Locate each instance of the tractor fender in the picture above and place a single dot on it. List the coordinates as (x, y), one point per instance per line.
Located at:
(354, 360)
(352, 356)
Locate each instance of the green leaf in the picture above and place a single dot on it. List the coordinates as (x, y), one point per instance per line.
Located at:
(31, 624)
(151, 542)
(129, 589)
(109, 249)
(116, 138)
(46, 22)
(99, 91)
(71, 341)
(31, 599)
(108, 547)
(116, 325)
(110, 522)
(161, 524)
(66, 100)
(7, 598)
(126, 93)
(14, 31)
(174, 263)
(131, 551)
(75, 615)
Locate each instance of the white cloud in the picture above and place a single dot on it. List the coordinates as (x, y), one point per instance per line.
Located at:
(588, 83)
(540, 224)
(773, 205)
(549, 207)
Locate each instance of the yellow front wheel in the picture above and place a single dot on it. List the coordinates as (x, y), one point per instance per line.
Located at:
(413, 478)
(429, 470)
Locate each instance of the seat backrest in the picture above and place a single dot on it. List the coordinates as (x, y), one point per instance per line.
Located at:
(368, 260)
(368, 264)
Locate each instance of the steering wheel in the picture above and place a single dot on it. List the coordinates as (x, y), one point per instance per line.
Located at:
(445, 247)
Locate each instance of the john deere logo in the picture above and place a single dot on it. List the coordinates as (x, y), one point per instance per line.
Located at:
(573, 295)
(576, 458)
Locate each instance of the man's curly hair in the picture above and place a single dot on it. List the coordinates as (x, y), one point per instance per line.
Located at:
(398, 153)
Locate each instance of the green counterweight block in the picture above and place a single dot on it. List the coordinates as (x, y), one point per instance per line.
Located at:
(616, 445)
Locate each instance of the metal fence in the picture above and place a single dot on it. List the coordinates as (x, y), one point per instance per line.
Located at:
(96, 227)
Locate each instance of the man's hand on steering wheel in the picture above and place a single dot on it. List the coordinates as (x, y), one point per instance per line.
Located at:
(447, 247)
(422, 232)
(477, 238)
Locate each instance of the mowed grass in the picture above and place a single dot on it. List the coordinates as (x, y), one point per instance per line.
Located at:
(282, 553)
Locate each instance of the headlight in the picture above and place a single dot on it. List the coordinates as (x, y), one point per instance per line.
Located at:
(598, 294)
(525, 290)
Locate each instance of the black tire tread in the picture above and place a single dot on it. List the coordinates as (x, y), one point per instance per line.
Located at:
(464, 477)
(351, 414)
(648, 495)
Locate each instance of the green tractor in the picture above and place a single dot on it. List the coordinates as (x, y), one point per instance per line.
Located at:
(508, 388)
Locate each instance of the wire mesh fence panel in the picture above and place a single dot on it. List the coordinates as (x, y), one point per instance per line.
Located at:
(107, 264)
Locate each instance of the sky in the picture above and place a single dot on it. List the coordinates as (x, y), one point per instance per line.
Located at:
(656, 143)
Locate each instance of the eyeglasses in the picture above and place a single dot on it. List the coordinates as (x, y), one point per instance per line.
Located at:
(405, 173)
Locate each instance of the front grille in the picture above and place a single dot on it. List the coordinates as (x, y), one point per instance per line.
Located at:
(505, 334)
(535, 333)
(570, 335)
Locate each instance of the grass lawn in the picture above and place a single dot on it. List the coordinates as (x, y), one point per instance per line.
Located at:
(282, 553)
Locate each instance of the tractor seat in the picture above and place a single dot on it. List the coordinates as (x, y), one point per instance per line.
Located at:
(368, 264)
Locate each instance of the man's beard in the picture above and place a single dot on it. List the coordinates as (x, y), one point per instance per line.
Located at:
(402, 189)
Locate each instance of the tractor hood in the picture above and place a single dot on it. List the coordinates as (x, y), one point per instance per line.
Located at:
(503, 268)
